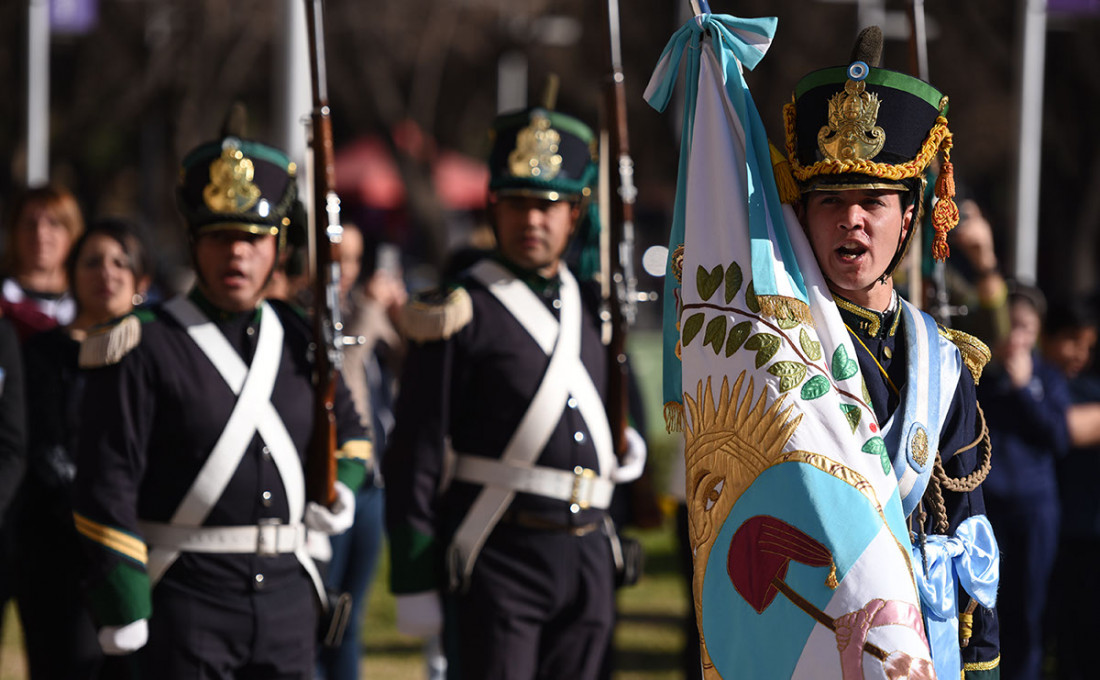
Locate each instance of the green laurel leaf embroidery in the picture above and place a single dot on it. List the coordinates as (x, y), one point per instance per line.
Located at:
(790, 374)
(716, 333)
(853, 414)
(750, 299)
(815, 387)
(843, 367)
(692, 327)
(812, 348)
(737, 337)
(786, 322)
(765, 344)
(708, 282)
(733, 281)
(876, 447)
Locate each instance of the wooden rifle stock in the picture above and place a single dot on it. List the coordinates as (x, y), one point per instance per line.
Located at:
(320, 467)
(623, 294)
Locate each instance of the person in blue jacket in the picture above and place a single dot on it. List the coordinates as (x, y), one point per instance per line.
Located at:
(1025, 399)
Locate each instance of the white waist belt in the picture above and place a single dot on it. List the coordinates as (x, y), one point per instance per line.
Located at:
(261, 539)
(580, 486)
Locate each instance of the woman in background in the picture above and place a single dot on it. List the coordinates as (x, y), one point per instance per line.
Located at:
(42, 225)
(1026, 399)
(109, 270)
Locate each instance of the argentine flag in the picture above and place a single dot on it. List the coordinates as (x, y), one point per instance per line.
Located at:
(802, 557)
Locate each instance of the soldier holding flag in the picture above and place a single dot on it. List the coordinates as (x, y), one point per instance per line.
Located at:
(833, 442)
(860, 140)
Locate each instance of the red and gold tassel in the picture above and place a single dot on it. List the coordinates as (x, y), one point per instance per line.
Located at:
(945, 215)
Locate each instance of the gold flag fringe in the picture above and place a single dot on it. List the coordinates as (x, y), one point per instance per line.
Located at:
(782, 307)
(674, 417)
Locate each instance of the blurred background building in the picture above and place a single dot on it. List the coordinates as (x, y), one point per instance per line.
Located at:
(413, 84)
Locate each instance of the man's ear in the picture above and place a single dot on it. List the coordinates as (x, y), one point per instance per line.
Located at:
(575, 211)
(907, 219)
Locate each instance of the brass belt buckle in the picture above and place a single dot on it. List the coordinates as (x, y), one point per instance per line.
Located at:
(581, 497)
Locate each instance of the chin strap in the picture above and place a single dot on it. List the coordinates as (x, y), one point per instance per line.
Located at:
(906, 240)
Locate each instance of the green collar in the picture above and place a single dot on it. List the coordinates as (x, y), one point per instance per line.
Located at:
(535, 281)
(217, 314)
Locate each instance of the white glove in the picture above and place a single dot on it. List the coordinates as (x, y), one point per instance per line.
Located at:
(633, 462)
(420, 614)
(334, 520)
(119, 640)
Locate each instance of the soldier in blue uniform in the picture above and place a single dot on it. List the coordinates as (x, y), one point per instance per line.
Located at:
(189, 495)
(859, 142)
(504, 385)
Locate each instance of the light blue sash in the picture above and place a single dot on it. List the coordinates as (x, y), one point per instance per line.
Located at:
(912, 434)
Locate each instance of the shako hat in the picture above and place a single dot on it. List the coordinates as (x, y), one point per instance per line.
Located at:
(237, 184)
(864, 127)
(542, 153)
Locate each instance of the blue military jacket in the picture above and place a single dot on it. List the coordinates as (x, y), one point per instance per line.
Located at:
(881, 352)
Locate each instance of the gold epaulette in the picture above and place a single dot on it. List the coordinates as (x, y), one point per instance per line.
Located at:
(975, 353)
(108, 344)
(436, 315)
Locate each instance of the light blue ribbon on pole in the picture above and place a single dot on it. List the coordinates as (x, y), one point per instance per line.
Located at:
(731, 38)
(969, 559)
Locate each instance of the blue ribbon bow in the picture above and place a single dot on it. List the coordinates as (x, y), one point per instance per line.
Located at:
(969, 558)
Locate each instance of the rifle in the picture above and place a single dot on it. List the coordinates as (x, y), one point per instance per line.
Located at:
(623, 297)
(320, 466)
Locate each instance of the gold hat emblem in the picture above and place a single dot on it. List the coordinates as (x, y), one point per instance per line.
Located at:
(851, 134)
(536, 153)
(231, 189)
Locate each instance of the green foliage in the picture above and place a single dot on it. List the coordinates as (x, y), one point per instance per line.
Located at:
(751, 301)
(733, 281)
(812, 348)
(876, 447)
(790, 374)
(716, 333)
(815, 387)
(707, 282)
(692, 327)
(738, 335)
(766, 345)
(843, 366)
(853, 413)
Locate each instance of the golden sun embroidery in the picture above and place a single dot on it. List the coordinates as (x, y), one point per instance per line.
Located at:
(728, 443)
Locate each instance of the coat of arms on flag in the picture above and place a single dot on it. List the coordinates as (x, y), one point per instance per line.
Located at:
(803, 563)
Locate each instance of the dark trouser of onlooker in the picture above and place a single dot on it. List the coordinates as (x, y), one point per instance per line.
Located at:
(540, 605)
(1076, 599)
(354, 558)
(58, 632)
(1027, 535)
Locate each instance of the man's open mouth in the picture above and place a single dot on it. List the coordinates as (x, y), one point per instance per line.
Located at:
(851, 251)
